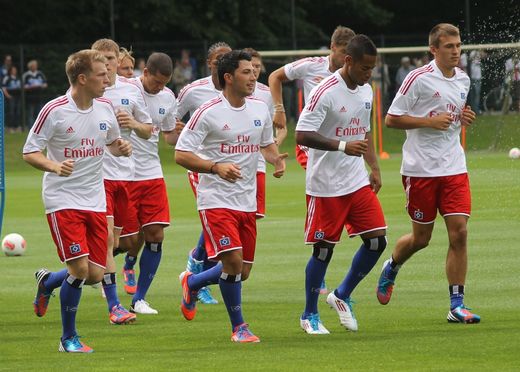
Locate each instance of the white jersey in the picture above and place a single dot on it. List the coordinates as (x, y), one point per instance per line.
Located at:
(426, 92)
(193, 95)
(312, 70)
(225, 134)
(335, 111)
(263, 93)
(162, 107)
(67, 132)
(125, 96)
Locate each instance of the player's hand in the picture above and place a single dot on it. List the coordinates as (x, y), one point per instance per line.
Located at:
(279, 120)
(279, 165)
(441, 121)
(375, 180)
(281, 134)
(356, 148)
(124, 147)
(179, 126)
(65, 168)
(228, 171)
(125, 120)
(468, 116)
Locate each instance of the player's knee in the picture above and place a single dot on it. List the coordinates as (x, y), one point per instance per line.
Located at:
(154, 233)
(323, 251)
(420, 242)
(376, 244)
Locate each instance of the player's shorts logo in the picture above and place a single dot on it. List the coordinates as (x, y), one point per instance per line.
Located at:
(225, 241)
(368, 105)
(102, 126)
(125, 101)
(418, 215)
(463, 95)
(162, 111)
(75, 248)
(258, 123)
(319, 235)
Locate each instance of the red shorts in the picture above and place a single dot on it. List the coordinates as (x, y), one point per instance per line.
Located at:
(149, 202)
(360, 212)
(79, 233)
(302, 155)
(260, 195)
(227, 230)
(193, 178)
(448, 194)
(118, 199)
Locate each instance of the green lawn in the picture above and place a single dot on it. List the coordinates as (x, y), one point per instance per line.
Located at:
(411, 333)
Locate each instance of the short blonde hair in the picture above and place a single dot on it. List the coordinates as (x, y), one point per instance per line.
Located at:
(125, 53)
(106, 45)
(442, 29)
(342, 36)
(81, 63)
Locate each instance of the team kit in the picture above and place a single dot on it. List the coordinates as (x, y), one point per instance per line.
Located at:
(104, 191)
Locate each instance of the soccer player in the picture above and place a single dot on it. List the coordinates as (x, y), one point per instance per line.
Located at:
(311, 71)
(431, 107)
(150, 212)
(132, 117)
(221, 142)
(126, 62)
(74, 129)
(190, 98)
(335, 125)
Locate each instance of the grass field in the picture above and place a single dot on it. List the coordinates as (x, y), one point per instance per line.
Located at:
(409, 334)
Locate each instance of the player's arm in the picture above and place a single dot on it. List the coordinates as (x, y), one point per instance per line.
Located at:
(442, 121)
(272, 156)
(280, 135)
(39, 161)
(317, 141)
(171, 137)
(276, 79)
(371, 159)
(227, 171)
(126, 120)
(120, 147)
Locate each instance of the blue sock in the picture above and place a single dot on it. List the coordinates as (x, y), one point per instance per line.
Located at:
(70, 295)
(210, 276)
(199, 253)
(55, 280)
(148, 265)
(109, 286)
(456, 295)
(363, 261)
(314, 274)
(130, 262)
(231, 289)
(390, 271)
(208, 264)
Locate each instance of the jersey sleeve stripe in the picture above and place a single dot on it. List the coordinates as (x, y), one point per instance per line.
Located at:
(319, 92)
(412, 77)
(188, 87)
(44, 113)
(201, 109)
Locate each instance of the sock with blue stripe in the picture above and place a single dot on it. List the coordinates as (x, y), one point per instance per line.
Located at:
(130, 262)
(55, 280)
(205, 278)
(109, 286)
(456, 295)
(314, 274)
(70, 294)
(231, 289)
(148, 265)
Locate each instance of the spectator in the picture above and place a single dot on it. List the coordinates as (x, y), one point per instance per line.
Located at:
(513, 75)
(12, 86)
(140, 64)
(475, 73)
(8, 61)
(405, 68)
(183, 72)
(381, 77)
(34, 83)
